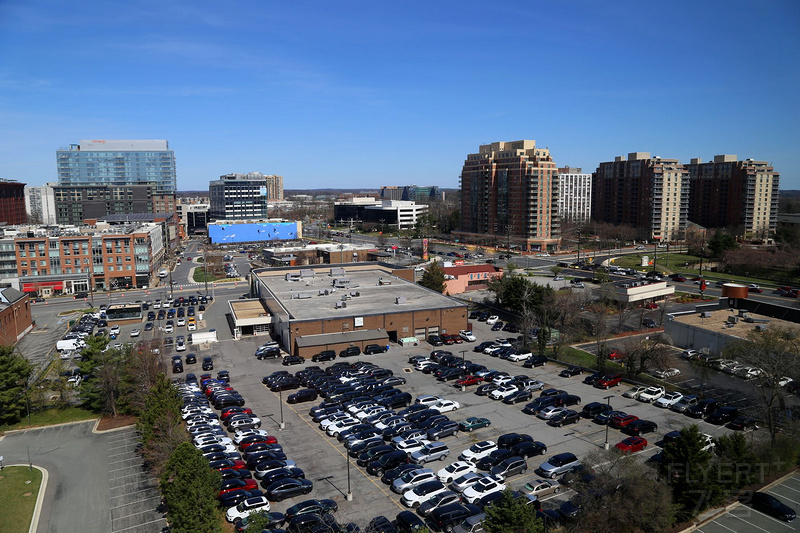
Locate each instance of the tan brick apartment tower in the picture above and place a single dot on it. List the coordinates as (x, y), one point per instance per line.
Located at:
(741, 196)
(509, 196)
(649, 193)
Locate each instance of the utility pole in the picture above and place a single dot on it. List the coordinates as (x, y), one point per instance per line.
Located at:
(205, 268)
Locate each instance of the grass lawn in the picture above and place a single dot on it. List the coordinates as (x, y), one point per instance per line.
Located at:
(19, 487)
(673, 262)
(52, 416)
(200, 276)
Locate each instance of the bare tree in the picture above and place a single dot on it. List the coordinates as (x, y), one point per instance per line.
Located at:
(775, 354)
(568, 307)
(643, 354)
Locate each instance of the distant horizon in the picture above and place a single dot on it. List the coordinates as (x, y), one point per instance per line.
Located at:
(361, 92)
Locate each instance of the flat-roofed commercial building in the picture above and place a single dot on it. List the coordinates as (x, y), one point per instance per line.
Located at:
(314, 309)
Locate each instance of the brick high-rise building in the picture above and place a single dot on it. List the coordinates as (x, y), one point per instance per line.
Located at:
(12, 202)
(509, 196)
(739, 195)
(648, 193)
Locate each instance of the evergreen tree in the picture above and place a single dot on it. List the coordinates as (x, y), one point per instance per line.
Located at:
(433, 277)
(15, 371)
(188, 489)
(512, 515)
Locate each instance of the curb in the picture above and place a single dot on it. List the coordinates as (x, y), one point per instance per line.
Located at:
(37, 510)
(11, 432)
(112, 430)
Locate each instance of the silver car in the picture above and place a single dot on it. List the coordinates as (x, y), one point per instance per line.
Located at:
(412, 478)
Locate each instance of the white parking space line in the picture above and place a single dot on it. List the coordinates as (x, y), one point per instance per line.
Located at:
(118, 454)
(749, 523)
(782, 497)
(137, 501)
(134, 492)
(759, 513)
(717, 523)
(129, 475)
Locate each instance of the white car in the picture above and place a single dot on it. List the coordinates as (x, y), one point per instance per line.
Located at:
(634, 392)
(255, 504)
(503, 392)
(135, 332)
(785, 380)
(454, 470)
(668, 399)
(370, 411)
(192, 326)
(464, 481)
(325, 422)
(445, 406)
(467, 336)
(180, 346)
(337, 427)
(196, 411)
(487, 485)
(478, 451)
(521, 356)
(428, 399)
(492, 320)
(181, 321)
(204, 440)
(114, 330)
(157, 305)
(549, 412)
(169, 328)
(665, 373)
(558, 278)
(422, 365)
(502, 380)
(421, 493)
(411, 445)
(651, 394)
(239, 436)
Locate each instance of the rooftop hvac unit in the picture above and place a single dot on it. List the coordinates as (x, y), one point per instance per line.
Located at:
(705, 314)
(400, 300)
(733, 319)
(761, 327)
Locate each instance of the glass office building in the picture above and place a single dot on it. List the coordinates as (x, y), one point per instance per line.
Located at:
(118, 163)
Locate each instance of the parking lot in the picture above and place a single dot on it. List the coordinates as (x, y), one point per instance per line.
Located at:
(741, 518)
(323, 458)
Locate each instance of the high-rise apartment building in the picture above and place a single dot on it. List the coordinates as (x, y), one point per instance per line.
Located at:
(12, 202)
(99, 177)
(574, 194)
(40, 204)
(509, 195)
(648, 193)
(244, 196)
(739, 195)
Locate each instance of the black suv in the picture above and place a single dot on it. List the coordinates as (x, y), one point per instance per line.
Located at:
(208, 363)
(512, 439)
(325, 355)
(350, 351)
(191, 358)
(370, 349)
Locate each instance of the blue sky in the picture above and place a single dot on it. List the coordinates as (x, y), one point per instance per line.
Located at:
(360, 94)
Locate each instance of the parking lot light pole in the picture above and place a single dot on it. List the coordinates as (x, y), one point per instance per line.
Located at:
(608, 400)
(349, 495)
(280, 396)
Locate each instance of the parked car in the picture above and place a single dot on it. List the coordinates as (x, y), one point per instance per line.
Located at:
(768, 504)
(558, 464)
(371, 349)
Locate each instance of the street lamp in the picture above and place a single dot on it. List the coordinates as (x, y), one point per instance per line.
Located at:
(349, 495)
(280, 396)
(608, 400)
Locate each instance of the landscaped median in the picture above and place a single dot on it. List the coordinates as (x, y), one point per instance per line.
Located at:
(19, 489)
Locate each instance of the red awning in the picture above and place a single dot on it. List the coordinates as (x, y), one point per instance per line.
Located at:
(33, 287)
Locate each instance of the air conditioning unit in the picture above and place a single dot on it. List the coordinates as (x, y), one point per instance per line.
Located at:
(705, 314)
(761, 327)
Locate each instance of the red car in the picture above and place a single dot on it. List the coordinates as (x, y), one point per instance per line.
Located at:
(229, 412)
(632, 444)
(235, 484)
(469, 380)
(236, 464)
(266, 440)
(651, 305)
(620, 422)
(608, 381)
(679, 278)
(455, 338)
(615, 355)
